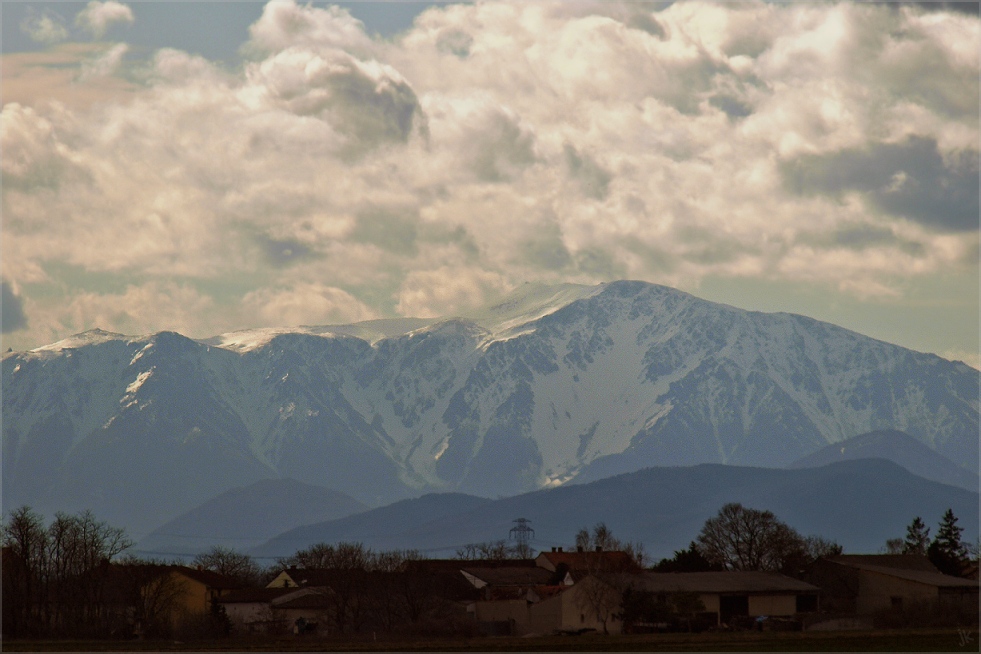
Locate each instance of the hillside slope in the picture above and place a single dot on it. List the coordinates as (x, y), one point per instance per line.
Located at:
(242, 518)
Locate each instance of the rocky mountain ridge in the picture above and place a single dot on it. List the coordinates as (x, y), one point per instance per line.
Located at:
(553, 385)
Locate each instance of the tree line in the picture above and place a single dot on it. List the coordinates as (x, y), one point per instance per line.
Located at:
(71, 578)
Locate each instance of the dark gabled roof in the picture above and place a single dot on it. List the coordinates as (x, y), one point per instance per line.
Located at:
(896, 561)
(207, 577)
(509, 576)
(919, 576)
(720, 582)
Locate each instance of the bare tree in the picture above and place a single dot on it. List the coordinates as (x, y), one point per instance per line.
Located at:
(235, 565)
(499, 550)
(602, 538)
(81, 548)
(607, 576)
(25, 542)
(893, 546)
(748, 539)
(59, 573)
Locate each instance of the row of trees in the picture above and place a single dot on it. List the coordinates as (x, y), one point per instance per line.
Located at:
(947, 551)
(55, 577)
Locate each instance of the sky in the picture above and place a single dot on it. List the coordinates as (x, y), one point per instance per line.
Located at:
(205, 167)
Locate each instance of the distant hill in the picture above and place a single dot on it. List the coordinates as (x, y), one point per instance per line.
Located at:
(242, 518)
(898, 447)
(860, 504)
(396, 526)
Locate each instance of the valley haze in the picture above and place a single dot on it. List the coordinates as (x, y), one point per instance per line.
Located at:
(554, 385)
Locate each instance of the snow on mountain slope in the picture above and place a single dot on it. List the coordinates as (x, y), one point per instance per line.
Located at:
(551, 385)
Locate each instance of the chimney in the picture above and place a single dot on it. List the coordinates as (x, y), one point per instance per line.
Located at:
(553, 550)
(560, 549)
(599, 548)
(579, 548)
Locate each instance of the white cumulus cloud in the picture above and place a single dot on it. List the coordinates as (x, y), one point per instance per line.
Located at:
(98, 16)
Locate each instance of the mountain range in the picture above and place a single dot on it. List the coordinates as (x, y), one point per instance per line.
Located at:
(553, 385)
(857, 503)
(899, 448)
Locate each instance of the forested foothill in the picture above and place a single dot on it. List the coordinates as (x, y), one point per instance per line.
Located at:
(73, 578)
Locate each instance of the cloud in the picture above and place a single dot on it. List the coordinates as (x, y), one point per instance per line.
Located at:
(285, 24)
(337, 176)
(45, 27)
(106, 63)
(446, 290)
(283, 252)
(11, 309)
(594, 179)
(390, 229)
(366, 102)
(911, 178)
(306, 303)
(97, 16)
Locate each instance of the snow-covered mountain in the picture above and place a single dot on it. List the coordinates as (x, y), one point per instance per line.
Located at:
(555, 384)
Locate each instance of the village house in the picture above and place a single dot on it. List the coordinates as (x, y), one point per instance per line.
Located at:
(863, 584)
(250, 610)
(557, 592)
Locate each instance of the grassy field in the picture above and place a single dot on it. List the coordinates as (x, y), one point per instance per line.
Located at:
(918, 640)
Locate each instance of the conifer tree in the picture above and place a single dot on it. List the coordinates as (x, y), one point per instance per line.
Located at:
(947, 552)
(917, 537)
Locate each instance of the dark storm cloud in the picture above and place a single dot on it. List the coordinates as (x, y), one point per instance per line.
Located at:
(12, 314)
(283, 252)
(730, 105)
(909, 179)
(595, 181)
(369, 104)
(374, 114)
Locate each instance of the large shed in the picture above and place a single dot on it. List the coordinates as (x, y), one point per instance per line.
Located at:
(735, 594)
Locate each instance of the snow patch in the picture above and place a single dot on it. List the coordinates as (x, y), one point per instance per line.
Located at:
(441, 449)
(139, 355)
(138, 382)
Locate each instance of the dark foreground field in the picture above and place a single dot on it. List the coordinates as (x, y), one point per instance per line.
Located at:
(919, 640)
